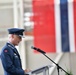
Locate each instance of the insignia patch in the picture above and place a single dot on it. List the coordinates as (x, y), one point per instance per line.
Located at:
(5, 50)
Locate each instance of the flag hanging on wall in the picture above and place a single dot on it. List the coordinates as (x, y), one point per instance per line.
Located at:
(55, 25)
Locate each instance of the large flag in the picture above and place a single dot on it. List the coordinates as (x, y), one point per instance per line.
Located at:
(55, 25)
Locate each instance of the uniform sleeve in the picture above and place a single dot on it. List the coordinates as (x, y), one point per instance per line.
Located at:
(8, 64)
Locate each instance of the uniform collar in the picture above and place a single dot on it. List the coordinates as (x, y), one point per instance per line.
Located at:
(11, 45)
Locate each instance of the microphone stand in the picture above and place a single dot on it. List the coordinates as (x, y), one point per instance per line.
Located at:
(58, 67)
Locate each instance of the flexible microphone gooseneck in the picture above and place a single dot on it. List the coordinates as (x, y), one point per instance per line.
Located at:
(39, 50)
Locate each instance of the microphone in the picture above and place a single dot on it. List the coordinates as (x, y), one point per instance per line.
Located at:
(39, 50)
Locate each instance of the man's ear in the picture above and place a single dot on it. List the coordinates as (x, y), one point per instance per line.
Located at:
(12, 35)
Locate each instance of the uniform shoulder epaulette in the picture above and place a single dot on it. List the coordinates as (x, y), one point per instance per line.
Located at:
(11, 46)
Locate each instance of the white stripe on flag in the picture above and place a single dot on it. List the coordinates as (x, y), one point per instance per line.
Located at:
(71, 25)
(57, 25)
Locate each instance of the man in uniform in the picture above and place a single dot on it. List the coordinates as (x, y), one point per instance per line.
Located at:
(9, 55)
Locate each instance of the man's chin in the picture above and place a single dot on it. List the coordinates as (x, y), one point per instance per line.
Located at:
(16, 44)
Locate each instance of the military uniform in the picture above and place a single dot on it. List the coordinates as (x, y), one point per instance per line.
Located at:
(11, 59)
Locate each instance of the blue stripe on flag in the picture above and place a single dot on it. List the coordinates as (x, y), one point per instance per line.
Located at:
(64, 25)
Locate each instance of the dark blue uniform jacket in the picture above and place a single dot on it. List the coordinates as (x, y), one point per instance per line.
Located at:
(11, 60)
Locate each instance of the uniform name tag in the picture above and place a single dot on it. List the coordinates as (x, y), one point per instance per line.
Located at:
(15, 55)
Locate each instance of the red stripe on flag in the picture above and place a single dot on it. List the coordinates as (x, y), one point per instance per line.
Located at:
(44, 25)
(75, 22)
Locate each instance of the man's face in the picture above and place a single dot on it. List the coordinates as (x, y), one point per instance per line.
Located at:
(16, 39)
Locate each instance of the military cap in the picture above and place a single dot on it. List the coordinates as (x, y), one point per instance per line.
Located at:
(16, 31)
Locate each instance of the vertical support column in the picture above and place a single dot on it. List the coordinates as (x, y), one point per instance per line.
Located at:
(15, 15)
(22, 46)
(15, 12)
